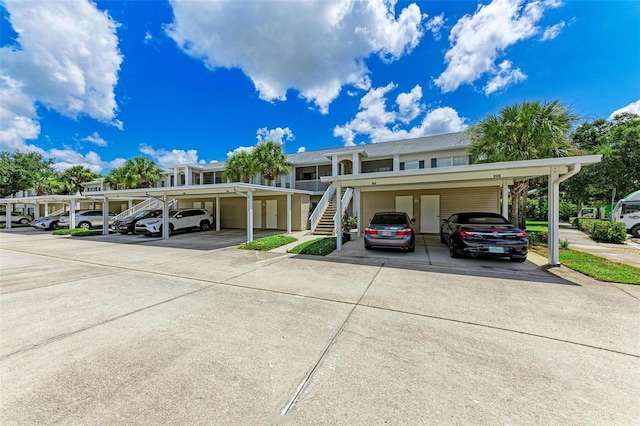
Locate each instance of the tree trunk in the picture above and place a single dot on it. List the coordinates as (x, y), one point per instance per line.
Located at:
(525, 193)
(515, 204)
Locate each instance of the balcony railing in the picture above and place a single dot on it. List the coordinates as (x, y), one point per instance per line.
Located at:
(311, 185)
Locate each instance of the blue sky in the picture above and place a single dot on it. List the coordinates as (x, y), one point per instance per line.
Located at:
(192, 81)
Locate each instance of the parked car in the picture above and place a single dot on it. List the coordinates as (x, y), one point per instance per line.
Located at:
(179, 219)
(15, 218)
(48, 223)
(88, 219)
(483, 234)
(390, 230)
(128, 224)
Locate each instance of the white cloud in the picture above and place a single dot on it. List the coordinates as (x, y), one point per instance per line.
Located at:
(302, 149)
(476, 41)
(314, 47)
(66, 58)
(174, 157)
(435, 25)
(277, 135)
(633, 108)
(240, 149)
(95, 138)
(503, 77)
(65, 158)
(379, 124)
(553, 31)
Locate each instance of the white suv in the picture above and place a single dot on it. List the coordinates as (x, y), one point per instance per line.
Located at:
(178, 219)
(87, 219)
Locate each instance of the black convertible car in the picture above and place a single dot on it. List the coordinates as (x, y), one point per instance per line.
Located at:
(483, 234)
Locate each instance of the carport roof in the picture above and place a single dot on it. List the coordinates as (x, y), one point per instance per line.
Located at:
(486, 173)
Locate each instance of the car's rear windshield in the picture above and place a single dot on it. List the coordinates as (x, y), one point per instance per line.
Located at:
(481, 218)
(389, 219)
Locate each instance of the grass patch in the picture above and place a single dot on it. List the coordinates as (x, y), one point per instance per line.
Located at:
(318, 247)
(597, 267)
(268, 243)
(537, 226)
(78, 232)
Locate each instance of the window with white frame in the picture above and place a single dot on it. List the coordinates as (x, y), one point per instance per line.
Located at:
(460, 160)
(412, 165)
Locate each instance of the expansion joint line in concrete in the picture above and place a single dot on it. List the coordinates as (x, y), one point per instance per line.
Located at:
(307, 378)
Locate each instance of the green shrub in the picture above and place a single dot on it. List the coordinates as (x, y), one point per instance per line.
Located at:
(603, 230)
(537, 237)
(317, 247)
(78, 232)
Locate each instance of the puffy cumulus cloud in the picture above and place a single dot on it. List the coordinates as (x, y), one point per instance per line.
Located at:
(240, 149)
(476, 41)
(302, 149)
(504, 76)
(95, 138)
(277, 135)
(553, 31)
(314, 47)
(174, 157)
(66, 158)
(633, 108)
(66, 57)
(379, 124)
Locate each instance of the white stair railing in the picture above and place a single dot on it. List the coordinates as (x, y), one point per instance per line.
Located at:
(57, 212)
(148, 204)
(322, 206)
(346, 200)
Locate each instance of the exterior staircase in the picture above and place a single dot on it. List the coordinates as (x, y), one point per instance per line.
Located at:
(325, 225)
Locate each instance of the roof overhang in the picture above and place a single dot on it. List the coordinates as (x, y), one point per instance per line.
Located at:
(486, 174)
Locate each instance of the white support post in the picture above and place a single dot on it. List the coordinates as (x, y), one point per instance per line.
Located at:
(288, 213)
(553, 218)
(217, 212)
(46, 208)
(72, 214)
(250, 216)
(356, 163)
(201, 178)
(505, 199)
(130, 203)
(165, 217)
(176, 175)
(36, 211)
(356, 210)
(338, 220)
(396, 162)
(105, 215)
(8, 217)
(334, 165)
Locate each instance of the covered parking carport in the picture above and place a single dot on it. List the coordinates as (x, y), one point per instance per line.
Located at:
(46, 200)
(471, 176)
(215, 191)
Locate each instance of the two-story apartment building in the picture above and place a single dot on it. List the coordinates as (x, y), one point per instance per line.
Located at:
(428, 177)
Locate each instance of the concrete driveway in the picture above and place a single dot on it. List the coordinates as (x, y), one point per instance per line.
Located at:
(97, 331)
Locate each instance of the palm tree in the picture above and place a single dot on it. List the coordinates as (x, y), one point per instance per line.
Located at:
(73, 178)
(270, 161)
(240, 167)
(141, 172)
(526, 131)
(117, 178)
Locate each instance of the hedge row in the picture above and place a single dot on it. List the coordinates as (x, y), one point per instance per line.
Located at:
(603, 230)
(537, 238)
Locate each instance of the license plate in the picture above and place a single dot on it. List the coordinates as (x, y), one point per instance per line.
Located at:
(388, 233)
(496, 250)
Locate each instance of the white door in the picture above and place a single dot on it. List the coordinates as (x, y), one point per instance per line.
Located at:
(404, 203)
(429, 214)
(272, 214)
(257, 214)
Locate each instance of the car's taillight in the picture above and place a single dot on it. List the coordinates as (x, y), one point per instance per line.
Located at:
(464, 233)
(370, 231)
(404, 232)
(521, 234)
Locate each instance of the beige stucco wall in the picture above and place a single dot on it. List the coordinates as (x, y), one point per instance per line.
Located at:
(451, 201)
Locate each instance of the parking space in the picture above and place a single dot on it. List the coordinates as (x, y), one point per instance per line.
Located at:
(101, 330)
(430, 252)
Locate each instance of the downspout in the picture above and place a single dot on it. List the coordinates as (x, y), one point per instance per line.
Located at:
(554, 214)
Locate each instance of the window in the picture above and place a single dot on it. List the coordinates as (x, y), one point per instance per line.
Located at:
(631, 207)
(461, 160)
(412, 165)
